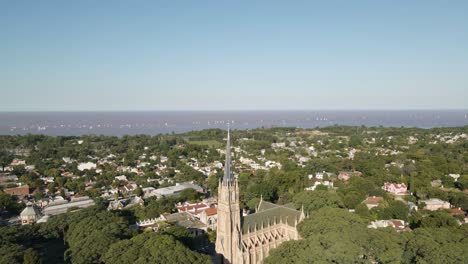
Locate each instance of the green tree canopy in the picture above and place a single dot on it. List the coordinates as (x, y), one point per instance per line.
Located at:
(333, 235)
(151, 247)
(314, 200)
(91, 236)
(437, 245)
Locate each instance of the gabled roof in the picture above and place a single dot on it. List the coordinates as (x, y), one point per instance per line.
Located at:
(270, 214)
(30, 210)
(263, 205)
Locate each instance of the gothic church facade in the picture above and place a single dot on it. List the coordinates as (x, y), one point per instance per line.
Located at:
(248, 239)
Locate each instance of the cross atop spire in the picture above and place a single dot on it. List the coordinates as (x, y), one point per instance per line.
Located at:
(228, 178)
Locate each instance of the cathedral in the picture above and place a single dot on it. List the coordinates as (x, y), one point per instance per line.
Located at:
(248, 239)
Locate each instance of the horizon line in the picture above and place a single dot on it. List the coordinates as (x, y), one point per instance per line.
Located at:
(232, 110)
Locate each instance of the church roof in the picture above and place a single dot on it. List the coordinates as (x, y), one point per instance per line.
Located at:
(270, 214)
(263, 205)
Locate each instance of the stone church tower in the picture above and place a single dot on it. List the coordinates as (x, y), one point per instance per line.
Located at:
(228, 226)
(249, 239)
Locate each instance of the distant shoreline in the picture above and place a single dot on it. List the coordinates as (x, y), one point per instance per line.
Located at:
(238, 110)
(119, 123)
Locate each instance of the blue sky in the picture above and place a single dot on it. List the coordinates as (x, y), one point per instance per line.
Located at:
(233, 55)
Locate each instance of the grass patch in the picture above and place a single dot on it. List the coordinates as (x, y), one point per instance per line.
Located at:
(210, 143)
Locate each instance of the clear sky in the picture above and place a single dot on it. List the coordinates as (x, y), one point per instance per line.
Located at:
(231, 55)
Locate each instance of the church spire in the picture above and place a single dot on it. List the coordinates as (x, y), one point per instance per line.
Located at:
(228, 236)
(228, 178)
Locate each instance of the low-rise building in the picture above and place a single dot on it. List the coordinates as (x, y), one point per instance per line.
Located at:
(397, 224)
(395, 188)
(184, 219)
(171, 190)
(344, 175)
(373, 201)
(63, 206)
(18, 162)
(125, 203)
(121, 178)
(8, 180)
(456, 211)
(435, 204)
(454, 176)
(30, 214)
(194, 208)
(209, 217)
(318, 182)
(21, 191)
(86, 166)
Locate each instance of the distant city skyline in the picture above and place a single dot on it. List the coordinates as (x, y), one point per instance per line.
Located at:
(243, 55)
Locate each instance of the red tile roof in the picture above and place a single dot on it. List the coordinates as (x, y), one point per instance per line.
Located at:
(185, 208)
(373, 200)
(211, 211)
(18, 191)
(457, 211)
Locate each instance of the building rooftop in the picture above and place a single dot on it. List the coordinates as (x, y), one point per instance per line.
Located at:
(433, 201)
(30, 210)
(173, 190)
(270, 214)
(57, 209)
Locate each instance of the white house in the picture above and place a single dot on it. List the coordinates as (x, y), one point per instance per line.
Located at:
(397, 224)
(121, 178)
(454, 176)
(329, 184)
(86, 166)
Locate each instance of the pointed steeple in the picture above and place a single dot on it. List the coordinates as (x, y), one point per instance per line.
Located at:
(228, 178)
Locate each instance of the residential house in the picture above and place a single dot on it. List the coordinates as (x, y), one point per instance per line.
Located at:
(125, 203)
(18, 162)
(121, 178)
(454, 176)
(21, 191)
(318, 182)
(373, 201)
(395, 188)
(86, 166)
(172, 190)
(397, 224)
(344, 175)
(194, 208)
(8, 180)
(209, 217)
(456, 211)
(435, 204)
